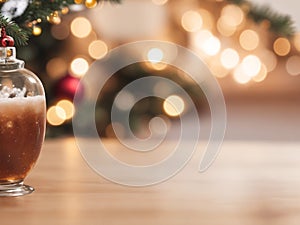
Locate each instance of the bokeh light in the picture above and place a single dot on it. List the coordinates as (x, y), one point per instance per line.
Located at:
(239, 75)
(174, 106)
(81, 27)
(230, 58)
(225, 29)
(68, 108)
(282, 46)
(79, 67)
(251, 65)
(293, 65)
(191, 21)
(262, 75)
(56, 116)
(98, 49)
(232, 15)
(211, 46)
(155, 55)
(36, 30)
(249, 40)
(269, 59)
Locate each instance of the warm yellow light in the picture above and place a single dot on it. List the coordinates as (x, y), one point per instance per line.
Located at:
(282, 46)
(174, 105)
(239, 75)
(78, 1)
(262, 75)
(79, 67)
(249, 40)
(191, 21)
(211, 46)
(159, 2)
(251, 65)
(155, 55)
(225, 29)
(233, 15)
(293, 65)
(229, 58)
(81, 27)
(56, 116)
(98, 49)
(36, 30)
(65, 10)
(90, 3)
(56, 67)
(68, 108)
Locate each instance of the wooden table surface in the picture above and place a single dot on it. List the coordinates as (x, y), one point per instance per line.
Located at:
(253, 183)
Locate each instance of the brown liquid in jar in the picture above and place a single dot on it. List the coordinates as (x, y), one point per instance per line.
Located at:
(22, 130)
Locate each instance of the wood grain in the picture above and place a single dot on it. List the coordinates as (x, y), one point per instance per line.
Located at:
(250, 183)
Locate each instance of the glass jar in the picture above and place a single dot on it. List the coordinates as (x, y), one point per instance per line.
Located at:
(22, 123)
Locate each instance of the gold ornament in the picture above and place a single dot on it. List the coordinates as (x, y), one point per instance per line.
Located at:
(36, 30)
(90, 3)
(54, 18)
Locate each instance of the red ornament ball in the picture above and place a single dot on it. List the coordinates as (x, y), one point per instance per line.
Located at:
(66, 87)
(7, 41)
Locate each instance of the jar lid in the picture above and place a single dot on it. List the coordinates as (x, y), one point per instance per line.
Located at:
(8, 59)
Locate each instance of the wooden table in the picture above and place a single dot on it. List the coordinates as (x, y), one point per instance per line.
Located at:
(253, 183)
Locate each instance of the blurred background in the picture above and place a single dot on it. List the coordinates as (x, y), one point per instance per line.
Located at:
(256, 63)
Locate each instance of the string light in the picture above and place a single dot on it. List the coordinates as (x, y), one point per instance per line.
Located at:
(36, 30)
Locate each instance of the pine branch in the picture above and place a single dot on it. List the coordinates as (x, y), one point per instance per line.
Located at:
(280, 24)
(12, 29)
(37, 10)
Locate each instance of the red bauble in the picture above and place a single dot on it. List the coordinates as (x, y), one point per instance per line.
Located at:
(7, 41)
(66, 87)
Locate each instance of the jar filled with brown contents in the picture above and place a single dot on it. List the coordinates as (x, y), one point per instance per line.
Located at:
(22, 123)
